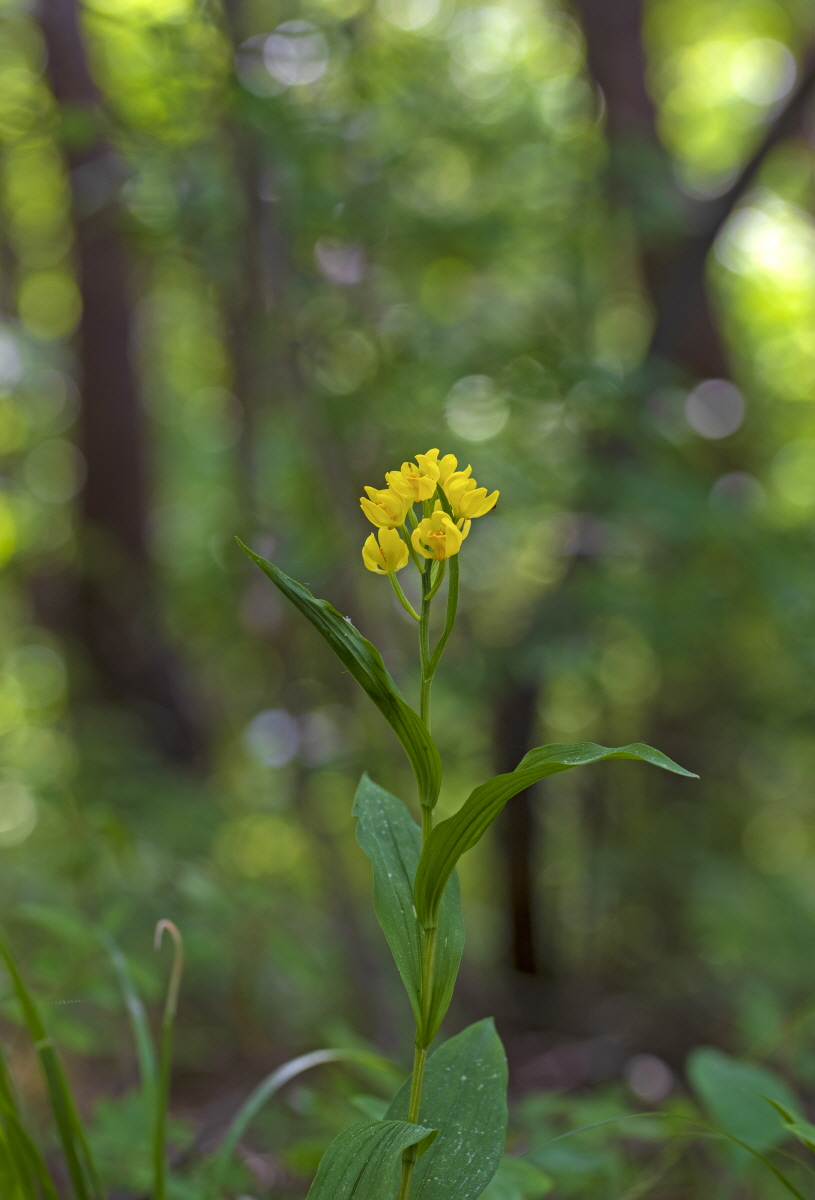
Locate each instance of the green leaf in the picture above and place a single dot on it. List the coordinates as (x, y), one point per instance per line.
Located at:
(81, 1168)
(392, 840)
(465, 1098)
(459, 833)
(803, 1130)
(270, 1086)
(364, 1162)
(735, 1094)
(516, 1179)
(364, 662)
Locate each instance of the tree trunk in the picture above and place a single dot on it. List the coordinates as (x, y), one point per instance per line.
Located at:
(515, 722)
(115, 610)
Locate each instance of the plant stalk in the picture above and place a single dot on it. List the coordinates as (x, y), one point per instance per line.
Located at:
(424, 647)
(419, 1055)
(165, 1058)
(401, 597)
(429, 663)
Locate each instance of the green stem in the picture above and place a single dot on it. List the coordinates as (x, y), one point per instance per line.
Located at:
(414, 557)
(424, 647)
(165, 1057)
(452, 605)
(419, 1053)
(440, 573)
(402, 598)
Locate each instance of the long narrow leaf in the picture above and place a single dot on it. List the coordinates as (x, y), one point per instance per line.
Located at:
(364, 662)
(265, 1090)
(145, 1051)
(81, 1169)
(459, 833)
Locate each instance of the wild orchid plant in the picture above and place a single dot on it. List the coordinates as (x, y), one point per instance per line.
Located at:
(443, 1135)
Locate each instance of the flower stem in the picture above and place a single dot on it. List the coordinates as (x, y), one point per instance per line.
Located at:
(402, 598)
(424, 647)
(414, 557)
(428, 666)
(440, 573)
(452, 605)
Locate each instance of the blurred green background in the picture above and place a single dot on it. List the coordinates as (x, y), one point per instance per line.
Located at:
(252, 255)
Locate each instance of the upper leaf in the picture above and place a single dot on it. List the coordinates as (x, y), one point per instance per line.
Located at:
(465, 1098)
(459, 833)
(363, 1162)
(364, 662)
(392, 840)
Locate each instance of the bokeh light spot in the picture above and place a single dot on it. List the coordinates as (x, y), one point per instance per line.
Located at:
(296, 54)
(273, 737)
(18, 813)
(715, 408)
(475, 409)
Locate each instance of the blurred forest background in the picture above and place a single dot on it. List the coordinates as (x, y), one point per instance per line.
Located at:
(253, 254)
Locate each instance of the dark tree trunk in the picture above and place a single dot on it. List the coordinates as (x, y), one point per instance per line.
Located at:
(515, 722)
(115, 613)
(616, 59)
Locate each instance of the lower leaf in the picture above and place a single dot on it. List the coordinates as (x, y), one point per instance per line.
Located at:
(465, 1098)
(364, 1162)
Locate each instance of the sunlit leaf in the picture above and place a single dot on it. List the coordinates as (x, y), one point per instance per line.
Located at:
(392, 840)
(459, 833)
(363, 1162)
(364, 662)
(465, 1098)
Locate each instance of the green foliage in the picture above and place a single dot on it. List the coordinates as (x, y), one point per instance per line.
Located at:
(735, 1094)
(516, 1179)
(459, 833)
(393, 842)
(365, 663)
(73, 1139)
(464, 1097)
(363, 1162)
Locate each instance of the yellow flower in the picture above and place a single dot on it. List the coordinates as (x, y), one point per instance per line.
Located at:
(385, 507)
(390, 555)
(467, 500)
(416, 481)
(437, 537)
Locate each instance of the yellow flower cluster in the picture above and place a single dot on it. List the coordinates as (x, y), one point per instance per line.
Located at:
(438, 535)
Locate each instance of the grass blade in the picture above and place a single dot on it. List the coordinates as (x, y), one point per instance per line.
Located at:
(84, 1179)
(145, 1051)
(165, 1058)
(265, 1090)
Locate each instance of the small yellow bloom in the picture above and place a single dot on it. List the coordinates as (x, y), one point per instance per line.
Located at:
(437, 537)
(416, 481)
(390, 555)
(447, 467)
(385, 507)
(467, 500)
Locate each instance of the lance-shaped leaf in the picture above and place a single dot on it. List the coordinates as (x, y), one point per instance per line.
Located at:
(364, 1162)
(465, 1098)
(459, 833)
(364, 662)
(392, 840)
